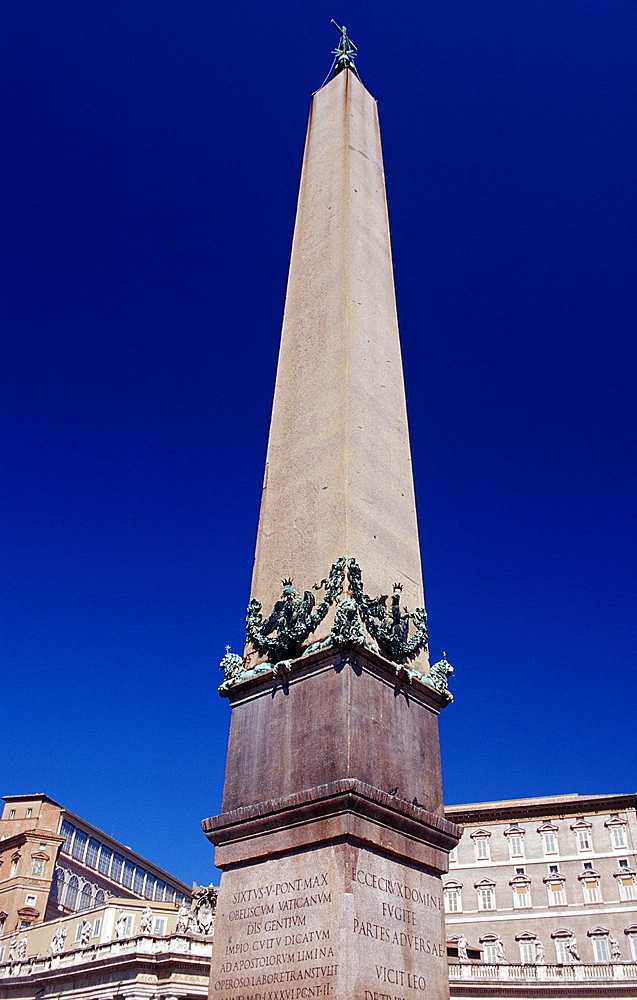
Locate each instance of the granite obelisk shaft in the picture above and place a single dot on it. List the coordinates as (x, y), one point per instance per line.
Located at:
(338, 478)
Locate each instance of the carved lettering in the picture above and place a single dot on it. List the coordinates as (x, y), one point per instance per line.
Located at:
(293, 975)
(284, 923)
(371, 930)
(294, 993)
(236, 949)
(403, 939)
(299, 902)
(251, 911)
(258, 962)
(398, 977)
(373, 995)
(279, 889)
(399, 913)
(398, 889)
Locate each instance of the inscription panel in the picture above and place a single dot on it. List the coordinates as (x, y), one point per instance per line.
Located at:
(339, 922)
(276, 930)
(398, 930)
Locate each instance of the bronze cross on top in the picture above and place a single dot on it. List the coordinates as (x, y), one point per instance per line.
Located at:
(345, 53)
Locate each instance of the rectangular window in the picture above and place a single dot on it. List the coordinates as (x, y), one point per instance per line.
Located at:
(527, 952)
(2, 954)
(116, 867)
(618, 837)
(29, 813)
(127, 878)
(515, 846)
(159, 890)
(557, 896)
(138, 883)
(486, 899)
(160, 926)
(79, 845)
(78, 932)
(627, 889)
(591, 892)
(96, 926)
(521, 896)
(14, 868)
(633, 946)
(549, 841)
(30, 900)
(105, 860)
(37, 868)
(67, 830)
(128, 927)
(453, 855)
(600, 949)
(150, 887)
(482, 849)
(583, 841)
(91, 852)
(561, 952)
(12, 814)
(170, 894)
(452, 901)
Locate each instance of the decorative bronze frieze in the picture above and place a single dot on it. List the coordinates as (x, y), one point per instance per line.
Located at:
(359, 620)
(294, 618)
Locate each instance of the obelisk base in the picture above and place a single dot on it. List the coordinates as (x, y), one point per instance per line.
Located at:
(334, 892)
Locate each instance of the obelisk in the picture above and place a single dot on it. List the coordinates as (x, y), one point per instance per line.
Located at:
(332, 837)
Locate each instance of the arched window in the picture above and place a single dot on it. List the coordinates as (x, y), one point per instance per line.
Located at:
(601, 944)
(528, 953)
(57, 885)
(486, 894)
(631, 934)
(625, 879)
(481, 840)
(492, 949)
(100, 898)
(71, 892)
(515, 837)
(452, 891)
(85, 898)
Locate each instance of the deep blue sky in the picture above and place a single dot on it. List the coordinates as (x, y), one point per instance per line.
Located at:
(151, 162)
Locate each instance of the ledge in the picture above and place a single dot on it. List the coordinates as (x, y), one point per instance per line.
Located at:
(334, 657)
(347, 810)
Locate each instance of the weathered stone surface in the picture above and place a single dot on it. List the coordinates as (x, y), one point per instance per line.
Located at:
(338, 478)
(340, 716)
(337, 921)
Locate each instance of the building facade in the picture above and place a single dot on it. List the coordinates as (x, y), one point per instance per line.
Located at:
(540, 900)
(545, 883)
(52, 863)
(128, 948)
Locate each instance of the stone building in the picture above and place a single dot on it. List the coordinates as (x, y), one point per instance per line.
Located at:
(53, 863)
(544, 888)
(127, 948)
(81, 915)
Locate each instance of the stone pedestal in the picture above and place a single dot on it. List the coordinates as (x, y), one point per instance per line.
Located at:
(333, 890)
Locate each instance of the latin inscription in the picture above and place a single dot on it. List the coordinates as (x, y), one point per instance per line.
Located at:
(395, 888)
(295, 993)
(397, 926)
(279, 945)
